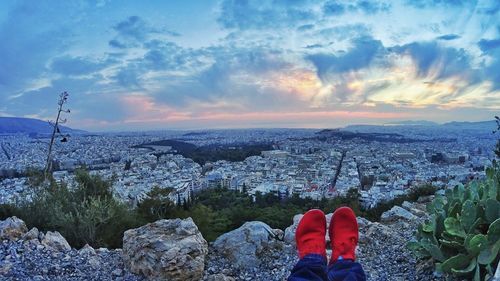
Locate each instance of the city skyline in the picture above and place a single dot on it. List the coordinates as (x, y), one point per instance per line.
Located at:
(244, 64)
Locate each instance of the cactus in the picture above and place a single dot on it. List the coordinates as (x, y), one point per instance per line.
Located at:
(462, 234)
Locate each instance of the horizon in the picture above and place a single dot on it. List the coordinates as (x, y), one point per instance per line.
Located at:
(187, 65)
(417, 123)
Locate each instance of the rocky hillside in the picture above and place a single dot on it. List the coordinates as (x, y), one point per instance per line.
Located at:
(175, 250)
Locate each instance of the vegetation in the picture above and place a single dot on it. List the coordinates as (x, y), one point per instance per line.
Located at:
(497, 148)
(87, 213)
(211, 153)
(463, 234)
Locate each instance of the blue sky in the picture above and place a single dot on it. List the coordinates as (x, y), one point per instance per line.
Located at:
(139, 65)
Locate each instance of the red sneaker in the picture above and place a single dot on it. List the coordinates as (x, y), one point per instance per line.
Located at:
(310, 234)
(343, 233)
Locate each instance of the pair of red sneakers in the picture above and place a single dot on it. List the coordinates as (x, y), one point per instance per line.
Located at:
(343, 231)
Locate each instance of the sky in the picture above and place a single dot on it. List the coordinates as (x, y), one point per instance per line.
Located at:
(149, 65)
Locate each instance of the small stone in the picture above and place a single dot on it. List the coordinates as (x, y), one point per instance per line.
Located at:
(117, 272)
(87, 250)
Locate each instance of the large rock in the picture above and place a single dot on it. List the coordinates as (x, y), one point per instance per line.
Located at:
(12, 228)
(397, 213)
(55, 241)
(166, 250)
(243, 246)
(33, 234)
(412, 208)
(290, 231)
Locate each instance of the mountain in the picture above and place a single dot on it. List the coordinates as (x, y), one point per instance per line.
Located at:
(19, 125)
(413, 123)
(424, 125)
(482, 125)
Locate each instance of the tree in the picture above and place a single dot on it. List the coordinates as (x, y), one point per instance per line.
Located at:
(497, 149)
(63, 98)
(128, 164)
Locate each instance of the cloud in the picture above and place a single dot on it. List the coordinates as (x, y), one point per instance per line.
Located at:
(314, 46)
(134, 31)
(67, 65)
(117, 44)
(448, 37)
(305, 27)
(333, 8)
(434, 60)
(246, 14)
(264, 59)
(337, 8)
(129, 77)
(134, 28)
(27, 45)
(359, 56)
(344, 32)
(491, 48)
(487, 45)
(431, 3)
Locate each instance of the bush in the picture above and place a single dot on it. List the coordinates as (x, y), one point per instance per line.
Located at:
(463, 234)
(87, 214)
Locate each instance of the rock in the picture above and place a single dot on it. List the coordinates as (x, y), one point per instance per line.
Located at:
(55, 241)
(166, 249)
(412, 209)
(117, 272)
(407, 205)
(12, 228)
(243, 246)
(290, 231)
(425, 199)
(328, 220)
(87, 250)
(219, 277)
(5, 266)
(377, 229)
(32, 234)
(362, 222)
(278, 234)
(397, 213)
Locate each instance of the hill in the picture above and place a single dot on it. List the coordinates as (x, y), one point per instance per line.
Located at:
(19, 125)
(255, 251)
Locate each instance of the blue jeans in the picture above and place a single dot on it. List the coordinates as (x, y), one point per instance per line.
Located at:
(313, 268)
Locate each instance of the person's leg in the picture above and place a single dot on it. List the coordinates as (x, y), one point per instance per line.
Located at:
(311, 246)
(344, 236)
(311, 267)
(346, 270)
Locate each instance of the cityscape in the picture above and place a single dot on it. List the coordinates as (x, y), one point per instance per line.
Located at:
(237, 140)
(309, 163)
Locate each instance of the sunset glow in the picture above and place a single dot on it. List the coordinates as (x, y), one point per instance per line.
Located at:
(186, 64)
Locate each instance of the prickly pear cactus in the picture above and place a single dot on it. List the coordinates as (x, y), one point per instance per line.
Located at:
(462, 235)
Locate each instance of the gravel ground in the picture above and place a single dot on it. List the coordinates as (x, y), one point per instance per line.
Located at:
(382, 253)
(22, 261)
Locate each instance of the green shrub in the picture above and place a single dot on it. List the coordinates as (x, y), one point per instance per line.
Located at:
(462, 235)
(85, 214)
